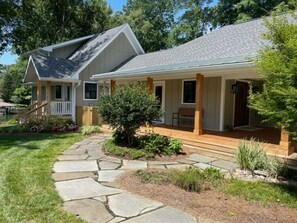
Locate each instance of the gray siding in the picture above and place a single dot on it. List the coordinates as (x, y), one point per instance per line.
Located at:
(115, 54)
(211, 102)
(66, 51)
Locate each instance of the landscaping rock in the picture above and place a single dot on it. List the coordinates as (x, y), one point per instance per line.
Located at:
(129, 205)
(83, 188)
(75, 166)
(89, 210)
(201, 158)
(163, 215)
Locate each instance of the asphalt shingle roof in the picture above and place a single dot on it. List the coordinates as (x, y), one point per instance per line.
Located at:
(50, 67)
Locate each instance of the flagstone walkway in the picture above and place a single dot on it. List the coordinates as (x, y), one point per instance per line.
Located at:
(84, 178)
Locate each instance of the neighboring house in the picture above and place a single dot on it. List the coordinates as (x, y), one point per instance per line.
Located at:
(202, 84)
(61, 73)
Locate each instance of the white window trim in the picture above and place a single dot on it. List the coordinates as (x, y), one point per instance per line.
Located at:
(163, 84)
(182, 94)
(90, 82)
(58, 99)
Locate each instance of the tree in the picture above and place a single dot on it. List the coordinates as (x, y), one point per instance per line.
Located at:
(12, 79)
(37, 23)
(193, 22)
(151, 21)
(130, 107)
(277, 65)
(22, 95)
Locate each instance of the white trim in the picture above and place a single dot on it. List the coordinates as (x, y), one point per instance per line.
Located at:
(133, 40)
(223, 100)
(90, 82)
(76, 74)
(163, 84)
(182, 94)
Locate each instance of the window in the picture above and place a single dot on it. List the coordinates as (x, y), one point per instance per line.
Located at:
(90, 91)
(189, 92)
(58, 92)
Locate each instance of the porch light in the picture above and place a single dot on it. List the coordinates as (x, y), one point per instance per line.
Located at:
(234, 89)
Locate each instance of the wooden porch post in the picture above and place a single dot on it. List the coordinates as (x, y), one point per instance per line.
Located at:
(286, 142)
(112, 86)
(150, 84)
(48, 98)
(198, 104)
(39, 97)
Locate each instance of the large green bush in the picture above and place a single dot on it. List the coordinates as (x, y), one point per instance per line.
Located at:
(130, 107)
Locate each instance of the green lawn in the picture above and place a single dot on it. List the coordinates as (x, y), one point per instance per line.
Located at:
(27, 192)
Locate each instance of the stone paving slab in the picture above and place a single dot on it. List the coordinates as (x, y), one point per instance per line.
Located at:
(116, 220)
(201, 158)
(133, 165)
(83, 188)
(225, 164)
(111, 159)
(75, 166)
(163, 215)
(72, 157)
(202, 166)
(185, 161)
(109, 175)
(178, 166)
(75, 152)
(72, 176)
(130, 205)
(102, 199)
(105, 165)
(90, 210)
(151, 163)
(157, 167)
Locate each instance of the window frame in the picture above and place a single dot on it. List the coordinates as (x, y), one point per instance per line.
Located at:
(182, 94)
(84, 91)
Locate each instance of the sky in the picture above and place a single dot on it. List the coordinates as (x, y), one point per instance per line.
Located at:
(9, 58)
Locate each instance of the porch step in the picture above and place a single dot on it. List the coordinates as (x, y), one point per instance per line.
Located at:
(292, 160)
(209, 149)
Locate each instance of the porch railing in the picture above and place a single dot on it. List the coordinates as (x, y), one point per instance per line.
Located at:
(61, 108)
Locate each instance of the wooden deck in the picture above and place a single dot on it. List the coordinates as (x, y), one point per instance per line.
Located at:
(269, 137)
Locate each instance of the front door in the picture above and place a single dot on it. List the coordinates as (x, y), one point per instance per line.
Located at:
(241, 113)
(159, 92)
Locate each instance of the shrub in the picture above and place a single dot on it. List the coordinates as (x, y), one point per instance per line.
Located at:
(174, 147)
(89, 130)
(250, 155)
(130, 107)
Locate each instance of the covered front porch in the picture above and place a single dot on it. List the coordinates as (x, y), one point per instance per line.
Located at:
(214, 107)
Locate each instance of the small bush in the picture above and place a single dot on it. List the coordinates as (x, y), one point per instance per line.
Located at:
(89, 130)
(174, 147)
(155, 177)
(111, 148)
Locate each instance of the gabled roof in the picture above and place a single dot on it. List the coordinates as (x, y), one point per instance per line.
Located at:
(50, 67)
(232, 44)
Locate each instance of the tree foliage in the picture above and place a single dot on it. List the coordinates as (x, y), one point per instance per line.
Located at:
(12, 80)
(130, 107)
(29, 24)
(277, 65)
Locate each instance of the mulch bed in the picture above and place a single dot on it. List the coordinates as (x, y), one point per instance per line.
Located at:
(210, 204)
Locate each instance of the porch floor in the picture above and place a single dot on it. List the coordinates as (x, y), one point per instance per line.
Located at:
(268, 136)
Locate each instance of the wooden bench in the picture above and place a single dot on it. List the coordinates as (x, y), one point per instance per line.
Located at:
(183, 113)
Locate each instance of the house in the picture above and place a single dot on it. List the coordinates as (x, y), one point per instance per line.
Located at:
(202, 85)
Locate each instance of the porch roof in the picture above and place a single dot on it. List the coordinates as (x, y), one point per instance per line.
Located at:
(229, 45)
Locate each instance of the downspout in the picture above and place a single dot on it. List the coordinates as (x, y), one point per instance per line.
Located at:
(75, 85)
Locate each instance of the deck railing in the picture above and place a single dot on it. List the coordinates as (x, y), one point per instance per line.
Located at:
(61, 108)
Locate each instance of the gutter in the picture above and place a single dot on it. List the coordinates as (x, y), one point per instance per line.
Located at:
(205, 68)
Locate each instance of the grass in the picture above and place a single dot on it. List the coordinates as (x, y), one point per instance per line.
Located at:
(27, 192)
(263, 192)
(196, 180)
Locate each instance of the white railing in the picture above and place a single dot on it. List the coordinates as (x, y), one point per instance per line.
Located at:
(61, 108)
